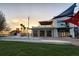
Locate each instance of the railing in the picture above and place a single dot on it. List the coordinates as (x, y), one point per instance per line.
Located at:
(43, 26)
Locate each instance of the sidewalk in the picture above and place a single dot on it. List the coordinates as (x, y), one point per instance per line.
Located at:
(50, 40)
(38, 40)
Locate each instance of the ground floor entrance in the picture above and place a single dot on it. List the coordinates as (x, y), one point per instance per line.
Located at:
(63, 32)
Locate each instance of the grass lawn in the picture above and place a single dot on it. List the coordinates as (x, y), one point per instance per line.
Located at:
(36, 49)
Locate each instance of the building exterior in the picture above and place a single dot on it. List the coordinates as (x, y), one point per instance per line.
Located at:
(56, 27)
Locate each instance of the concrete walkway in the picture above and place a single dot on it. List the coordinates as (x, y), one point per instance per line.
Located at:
(65, 40)
(75, 42)
(38, 40)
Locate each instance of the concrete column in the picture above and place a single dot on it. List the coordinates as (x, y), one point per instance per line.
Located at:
(52, 32)
(55, 23)
(72, 32)
(45, 33)
(55, 33)
(38, 33)
(32, 34)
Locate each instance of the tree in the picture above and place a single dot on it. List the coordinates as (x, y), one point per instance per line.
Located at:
(7, 28)
(23, 26)
(2, 21)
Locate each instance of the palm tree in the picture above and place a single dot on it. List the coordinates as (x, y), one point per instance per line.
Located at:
(22, 27)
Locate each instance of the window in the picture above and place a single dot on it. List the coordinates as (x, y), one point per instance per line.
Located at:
(49, 33)
(35, 33)
(42, 33)
(62, 24)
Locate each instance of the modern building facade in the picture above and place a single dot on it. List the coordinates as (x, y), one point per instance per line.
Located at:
(56, 27)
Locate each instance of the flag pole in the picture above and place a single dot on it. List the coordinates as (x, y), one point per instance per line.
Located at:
(28, 27)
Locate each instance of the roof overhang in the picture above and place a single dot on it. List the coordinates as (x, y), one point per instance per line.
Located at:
(45, 22)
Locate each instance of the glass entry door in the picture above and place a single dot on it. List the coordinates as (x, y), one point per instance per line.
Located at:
(63, 32)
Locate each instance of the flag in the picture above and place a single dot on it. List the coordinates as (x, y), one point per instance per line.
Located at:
(74, 20)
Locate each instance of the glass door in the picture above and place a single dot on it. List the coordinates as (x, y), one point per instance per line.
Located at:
(63, 32)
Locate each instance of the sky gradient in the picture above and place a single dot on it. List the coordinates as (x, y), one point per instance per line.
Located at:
(18, 12)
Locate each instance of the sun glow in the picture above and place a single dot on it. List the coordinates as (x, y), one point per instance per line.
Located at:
(15, 23)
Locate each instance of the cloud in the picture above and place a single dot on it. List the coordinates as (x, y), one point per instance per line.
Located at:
(15, 23)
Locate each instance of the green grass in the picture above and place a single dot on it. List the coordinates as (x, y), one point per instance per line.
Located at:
(36, 49)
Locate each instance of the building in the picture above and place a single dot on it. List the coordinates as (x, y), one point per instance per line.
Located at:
(56, 27)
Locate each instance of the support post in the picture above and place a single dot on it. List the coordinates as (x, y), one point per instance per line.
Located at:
(38, 33)
(72, 32)
(45, 33)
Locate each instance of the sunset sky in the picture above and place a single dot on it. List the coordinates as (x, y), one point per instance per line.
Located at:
(18, 13)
